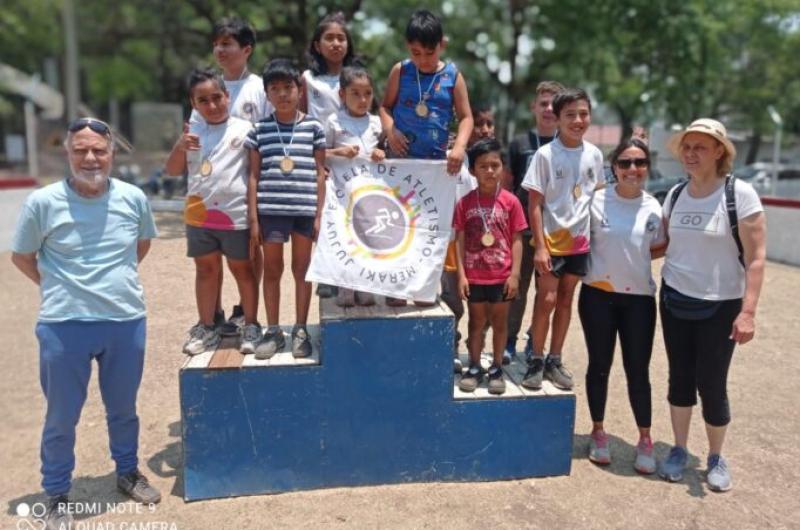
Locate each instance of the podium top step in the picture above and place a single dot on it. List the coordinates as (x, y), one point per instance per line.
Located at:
(328, 310)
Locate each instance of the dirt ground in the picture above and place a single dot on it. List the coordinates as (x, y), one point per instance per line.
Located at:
(762, 444)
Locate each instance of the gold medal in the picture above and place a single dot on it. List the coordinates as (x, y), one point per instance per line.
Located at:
(576, 191)
(206, 168)
(421, 109)
(287, 165)
(487, 239)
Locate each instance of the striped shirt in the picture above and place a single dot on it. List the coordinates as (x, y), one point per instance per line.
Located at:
(294, 193)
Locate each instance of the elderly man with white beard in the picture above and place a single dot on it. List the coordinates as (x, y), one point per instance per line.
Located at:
(80, 240)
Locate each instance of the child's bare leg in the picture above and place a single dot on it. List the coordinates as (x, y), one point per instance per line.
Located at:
(563, 312)
(498, 317)
(301, 259)
(477, 320)
(208, 269)
(273, 270)
(543, 305)
(242, 270)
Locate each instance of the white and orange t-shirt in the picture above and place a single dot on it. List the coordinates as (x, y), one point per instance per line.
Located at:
(623, 232)
(217, 189)
(567, 178)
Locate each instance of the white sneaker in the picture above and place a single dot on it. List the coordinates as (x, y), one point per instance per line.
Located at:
(251, 336)
(201, 339)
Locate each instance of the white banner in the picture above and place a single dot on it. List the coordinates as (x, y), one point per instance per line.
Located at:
(385, 227)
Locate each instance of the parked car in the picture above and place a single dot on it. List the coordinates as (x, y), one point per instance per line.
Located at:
(760, 176)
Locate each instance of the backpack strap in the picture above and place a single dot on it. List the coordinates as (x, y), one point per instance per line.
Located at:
(674, 197)
(733, 218)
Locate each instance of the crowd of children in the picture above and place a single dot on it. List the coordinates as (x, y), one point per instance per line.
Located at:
(254, 151)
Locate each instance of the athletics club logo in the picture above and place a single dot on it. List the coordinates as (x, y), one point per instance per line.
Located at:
(380, 221)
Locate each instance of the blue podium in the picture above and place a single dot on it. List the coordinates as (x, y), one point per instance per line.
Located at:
(377, 403)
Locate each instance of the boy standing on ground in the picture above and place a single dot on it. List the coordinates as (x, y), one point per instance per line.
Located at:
(560, 181)
(520, 154)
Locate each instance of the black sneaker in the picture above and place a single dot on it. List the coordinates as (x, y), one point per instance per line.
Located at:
(219, 319)
(533, 377)
(233, 326)
(326, 291)
(136, 486)
(57, 515)
(497, 384)
(471, 379)
(557, 373)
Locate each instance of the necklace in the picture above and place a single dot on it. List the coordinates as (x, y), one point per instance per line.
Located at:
(422, 107)
(206, 167)
(487, 239)
(287, 164)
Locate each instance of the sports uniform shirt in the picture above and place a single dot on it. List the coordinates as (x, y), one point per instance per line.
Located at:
(567, 178)
(427, 136)
(623, 231)
(218, 200)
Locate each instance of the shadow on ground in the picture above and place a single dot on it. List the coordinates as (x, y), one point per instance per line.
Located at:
(168, 462)
(623, 455)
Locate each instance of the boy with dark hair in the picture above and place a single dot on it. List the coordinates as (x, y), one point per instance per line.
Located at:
(216, 208)
(561, 180)
(421, 94)
(232, 42)
(488, 222)
(520, 154)
(285, 196)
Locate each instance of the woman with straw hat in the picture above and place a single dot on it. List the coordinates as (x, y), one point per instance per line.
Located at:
(712, 276)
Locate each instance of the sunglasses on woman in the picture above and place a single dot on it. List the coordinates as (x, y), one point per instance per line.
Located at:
(97, 126)
(625, 163)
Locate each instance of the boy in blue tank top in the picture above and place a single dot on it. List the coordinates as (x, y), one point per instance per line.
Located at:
(421, 94)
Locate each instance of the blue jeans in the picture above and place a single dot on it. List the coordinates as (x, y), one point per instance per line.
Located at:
(66, 350)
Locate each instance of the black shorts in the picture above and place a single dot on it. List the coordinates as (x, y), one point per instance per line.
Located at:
(233, 244)
(493, 294)
(277, 228)
(577, 264)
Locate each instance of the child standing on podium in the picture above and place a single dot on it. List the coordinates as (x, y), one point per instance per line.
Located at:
(489, 222)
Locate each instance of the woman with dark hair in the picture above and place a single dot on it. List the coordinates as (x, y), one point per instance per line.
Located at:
(712, 279)
(618, 295)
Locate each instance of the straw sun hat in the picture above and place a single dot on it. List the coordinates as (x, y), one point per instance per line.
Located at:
(713, 128)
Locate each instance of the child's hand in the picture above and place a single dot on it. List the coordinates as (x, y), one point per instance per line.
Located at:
(398, 142)
(541, 261)
(455, 160)
(350, 151)
(378, 155)
(463, 288)
(188, 141)
(511, 287)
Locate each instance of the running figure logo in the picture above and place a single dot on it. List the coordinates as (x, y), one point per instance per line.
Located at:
(379, 222)
(382, 221)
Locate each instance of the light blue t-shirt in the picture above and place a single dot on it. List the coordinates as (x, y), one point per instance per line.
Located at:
(86, 250)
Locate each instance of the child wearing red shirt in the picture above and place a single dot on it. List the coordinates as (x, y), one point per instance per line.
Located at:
(489, 222)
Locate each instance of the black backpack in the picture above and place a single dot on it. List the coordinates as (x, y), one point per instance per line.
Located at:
(730, 206)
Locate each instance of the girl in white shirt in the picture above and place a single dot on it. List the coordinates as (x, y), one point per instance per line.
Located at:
(618, 296)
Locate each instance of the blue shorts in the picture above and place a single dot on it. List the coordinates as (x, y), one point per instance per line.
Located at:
(276, 228)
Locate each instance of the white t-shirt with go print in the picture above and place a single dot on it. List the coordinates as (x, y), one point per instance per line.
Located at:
(622, 233)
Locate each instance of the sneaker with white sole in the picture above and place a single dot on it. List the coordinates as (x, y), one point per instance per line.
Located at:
(301, 343)
(471, 378)
(599, 452)
(557, 373)
(645, 461)
(533, 376)
(251, 336)
(272, 342)
(671, 468)
(718, 476)
(201, 339)
(496, 384)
